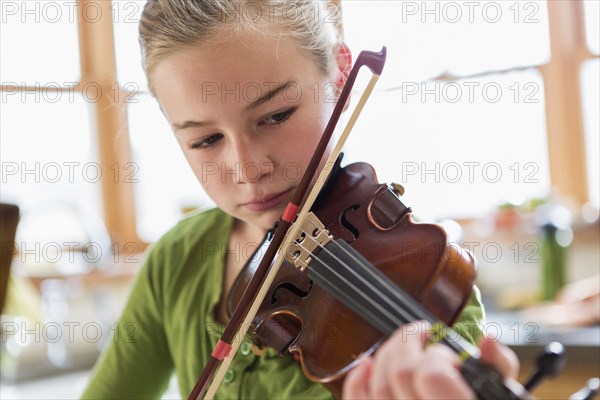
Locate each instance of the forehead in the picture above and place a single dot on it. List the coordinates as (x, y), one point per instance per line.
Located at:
(240, 64)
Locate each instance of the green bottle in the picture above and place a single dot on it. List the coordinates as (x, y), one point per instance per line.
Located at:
(554, 261)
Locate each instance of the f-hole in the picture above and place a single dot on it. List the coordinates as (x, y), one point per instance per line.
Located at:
(292, 288)
(344, 221)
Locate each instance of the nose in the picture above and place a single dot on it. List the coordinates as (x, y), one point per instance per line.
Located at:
(249, 162)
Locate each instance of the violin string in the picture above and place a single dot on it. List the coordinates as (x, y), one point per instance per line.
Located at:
(484, 390)
(411, 311)
(420, 313)
(405, 300)
(405, 317)
(417, 310)
(405, 312)
(343, 279)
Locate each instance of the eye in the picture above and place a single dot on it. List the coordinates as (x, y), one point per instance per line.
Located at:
(278, 117)
(206, 142)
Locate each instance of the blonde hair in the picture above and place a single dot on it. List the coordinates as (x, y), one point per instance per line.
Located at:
(167, 26)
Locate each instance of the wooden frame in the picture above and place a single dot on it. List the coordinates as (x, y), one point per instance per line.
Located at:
(564, 111)
(98, 64)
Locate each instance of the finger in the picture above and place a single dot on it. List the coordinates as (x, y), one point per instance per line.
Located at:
(403, 352)
(500, 357)
(437, 376)
(356, 383)
(379, 383)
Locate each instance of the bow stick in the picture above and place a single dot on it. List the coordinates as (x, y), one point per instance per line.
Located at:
(254, 294)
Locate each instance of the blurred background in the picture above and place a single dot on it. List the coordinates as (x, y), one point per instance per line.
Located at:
(486, 114)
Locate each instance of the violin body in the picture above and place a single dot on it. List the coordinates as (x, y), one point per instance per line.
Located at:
(299, 316)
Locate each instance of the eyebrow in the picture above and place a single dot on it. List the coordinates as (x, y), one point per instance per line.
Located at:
(269, 95)
(189, 124)
(261, 100)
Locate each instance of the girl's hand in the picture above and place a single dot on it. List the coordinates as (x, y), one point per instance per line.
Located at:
(404, 368)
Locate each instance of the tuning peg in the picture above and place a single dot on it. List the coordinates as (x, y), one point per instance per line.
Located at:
(397, 188)
(549, 364)
(588, 392)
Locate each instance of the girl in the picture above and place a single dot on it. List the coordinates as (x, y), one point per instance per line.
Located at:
(236, 82)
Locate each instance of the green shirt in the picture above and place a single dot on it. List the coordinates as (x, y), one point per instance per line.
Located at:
(168, 325)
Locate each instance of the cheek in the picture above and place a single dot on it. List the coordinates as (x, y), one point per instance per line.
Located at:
(312, 133)
(304, 144)
(314, 126)
(206, 172)
(217, 191)
(211, 182)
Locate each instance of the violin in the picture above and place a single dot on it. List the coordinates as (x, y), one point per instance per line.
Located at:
(342, 305)
(336, 277)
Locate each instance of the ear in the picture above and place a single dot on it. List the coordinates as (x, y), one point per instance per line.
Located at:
(344, 65)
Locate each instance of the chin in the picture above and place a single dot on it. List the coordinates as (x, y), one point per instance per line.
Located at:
(269, 219)
(264, 220)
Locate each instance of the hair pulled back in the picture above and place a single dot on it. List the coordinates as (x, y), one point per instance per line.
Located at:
(167, 26)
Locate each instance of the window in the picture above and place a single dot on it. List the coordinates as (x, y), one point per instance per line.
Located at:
(165, 184)
(165, 189)
(48, 30)
(435, 50)
(458, 116)
(427, 39)
(47, 147)
(126, 16)
(458, 153)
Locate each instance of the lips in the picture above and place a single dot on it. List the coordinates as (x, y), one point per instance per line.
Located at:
(267, 202)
